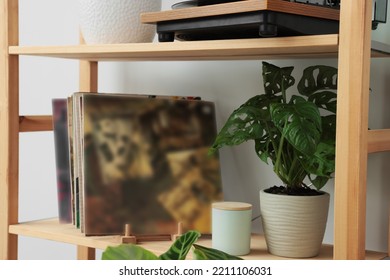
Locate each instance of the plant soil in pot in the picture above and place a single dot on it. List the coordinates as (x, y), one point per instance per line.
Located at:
(296, 134)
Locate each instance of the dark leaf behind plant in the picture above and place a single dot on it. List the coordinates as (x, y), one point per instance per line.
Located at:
(276, 79)
(321, 164)
(329, 128)
(325, 100)
(317, 78)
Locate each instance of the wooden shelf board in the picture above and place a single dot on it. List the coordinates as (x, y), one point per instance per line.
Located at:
(241, 7)
(319, 46)
(270, 48)
(52, 230)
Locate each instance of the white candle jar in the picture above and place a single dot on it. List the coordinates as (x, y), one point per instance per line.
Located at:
(231, 227)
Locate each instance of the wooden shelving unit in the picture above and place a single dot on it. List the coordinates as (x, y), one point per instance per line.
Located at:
(352, 46)
(52, 230)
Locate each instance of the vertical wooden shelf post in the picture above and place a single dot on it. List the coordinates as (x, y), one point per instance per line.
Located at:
(352, 129)
(9, 128)
(88, 83)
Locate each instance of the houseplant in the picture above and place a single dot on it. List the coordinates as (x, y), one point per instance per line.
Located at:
(178, 251)
(296, 134)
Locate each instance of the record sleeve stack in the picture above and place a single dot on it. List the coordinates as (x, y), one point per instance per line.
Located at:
(136, 159)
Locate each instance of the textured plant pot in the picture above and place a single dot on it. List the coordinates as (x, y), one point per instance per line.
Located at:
(116, 21)
(294, 226)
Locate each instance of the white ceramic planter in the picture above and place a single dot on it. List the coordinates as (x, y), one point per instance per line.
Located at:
(294, 226)
(116, 21)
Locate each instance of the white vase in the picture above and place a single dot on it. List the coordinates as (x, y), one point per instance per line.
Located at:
(116, 21)
(294, 226)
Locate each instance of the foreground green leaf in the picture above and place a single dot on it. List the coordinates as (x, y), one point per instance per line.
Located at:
(128, 252)
(204, 253)
(181, 247)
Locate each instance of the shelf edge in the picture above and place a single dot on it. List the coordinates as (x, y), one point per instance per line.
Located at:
(297, 46)
(51, 229)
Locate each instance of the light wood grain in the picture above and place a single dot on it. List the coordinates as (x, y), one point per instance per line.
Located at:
(88, 74)
(86, 253)
(241, 7)
(52, 230)
(204, 11)
(352, 129)
(9, 128)
(238, 49)
(303, 9)
(283, 47)
(35, 123)
(378, 140)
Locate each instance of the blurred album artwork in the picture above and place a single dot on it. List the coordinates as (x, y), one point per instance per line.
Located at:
(61, 144)
(146, 164)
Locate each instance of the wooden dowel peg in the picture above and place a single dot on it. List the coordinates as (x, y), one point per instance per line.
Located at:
(128, 238)
(179, 231)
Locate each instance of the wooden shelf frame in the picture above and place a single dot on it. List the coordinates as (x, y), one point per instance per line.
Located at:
(302, 46)
(316, 46)
(240, 7)
(51, 229)
(354, 141)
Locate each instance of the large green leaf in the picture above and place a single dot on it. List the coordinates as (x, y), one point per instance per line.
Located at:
(127, 252)
(181, 247)
(246, 123)
(299, 122)
(204, 253)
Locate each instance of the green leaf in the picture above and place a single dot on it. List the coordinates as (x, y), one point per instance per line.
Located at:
(181, 247)
(321, 165)
(299, 122)
(318, 181)
(325, 100)
(329, 129)
(276, 79)
(248, 122)
(204, 253)
(127, 252)
(317, 78)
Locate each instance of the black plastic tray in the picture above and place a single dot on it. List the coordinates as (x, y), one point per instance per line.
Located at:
(244, 25)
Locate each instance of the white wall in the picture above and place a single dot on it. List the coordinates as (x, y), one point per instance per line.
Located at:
(228, 83)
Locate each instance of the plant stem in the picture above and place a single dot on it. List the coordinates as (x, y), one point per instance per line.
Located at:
(283, 91)
(279, 155)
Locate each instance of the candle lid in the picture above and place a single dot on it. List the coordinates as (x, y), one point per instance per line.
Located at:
(232, 206)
